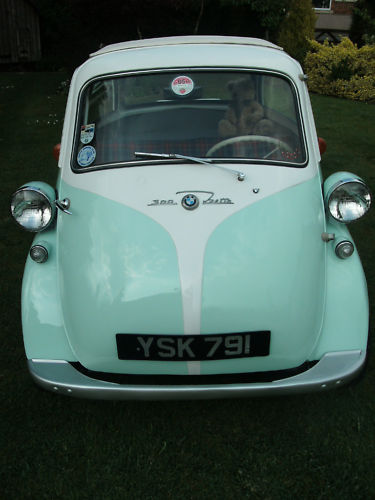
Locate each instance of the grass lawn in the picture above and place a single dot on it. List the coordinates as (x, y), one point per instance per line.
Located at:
(52, 447)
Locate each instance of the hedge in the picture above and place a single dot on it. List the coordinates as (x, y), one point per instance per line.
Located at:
(342, 70)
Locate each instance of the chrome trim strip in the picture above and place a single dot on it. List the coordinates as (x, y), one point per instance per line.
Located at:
(333, 370)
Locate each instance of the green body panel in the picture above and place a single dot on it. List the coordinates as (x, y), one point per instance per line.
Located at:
(42, 319)
(114, 270)
(264, 269)
(118, 274)
(346, 318)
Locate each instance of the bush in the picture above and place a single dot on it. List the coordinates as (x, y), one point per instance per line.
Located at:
(342, 70)
(362, 30)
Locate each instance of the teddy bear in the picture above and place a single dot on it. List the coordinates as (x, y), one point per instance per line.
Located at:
(244, 111)
(265, 127)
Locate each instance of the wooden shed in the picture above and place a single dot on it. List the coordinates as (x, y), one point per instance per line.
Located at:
(19, 32)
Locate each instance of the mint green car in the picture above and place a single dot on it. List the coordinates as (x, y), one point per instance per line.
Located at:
(190, 248)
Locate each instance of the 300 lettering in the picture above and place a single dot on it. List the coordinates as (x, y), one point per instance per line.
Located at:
(180, 348)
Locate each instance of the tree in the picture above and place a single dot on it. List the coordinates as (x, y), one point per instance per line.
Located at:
(363, 25)
(297, 29)
(269, 14)
(72, 29)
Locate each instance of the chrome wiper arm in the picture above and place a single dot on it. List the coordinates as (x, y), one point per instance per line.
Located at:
(141, 154)
(175, 156)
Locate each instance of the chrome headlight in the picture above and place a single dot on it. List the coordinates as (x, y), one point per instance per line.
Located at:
(348, 200)
(33, 208)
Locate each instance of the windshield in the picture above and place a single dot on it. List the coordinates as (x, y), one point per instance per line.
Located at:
(217, 114)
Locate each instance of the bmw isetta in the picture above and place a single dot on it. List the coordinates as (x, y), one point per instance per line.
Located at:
(190, 248)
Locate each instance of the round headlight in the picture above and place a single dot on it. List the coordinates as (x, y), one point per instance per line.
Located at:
(32, 209)
(349, 200)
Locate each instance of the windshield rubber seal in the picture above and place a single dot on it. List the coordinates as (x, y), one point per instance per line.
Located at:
(144, 163)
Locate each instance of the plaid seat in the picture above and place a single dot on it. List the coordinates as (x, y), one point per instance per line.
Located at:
(116, 151)
(112, 152)
(258, 149)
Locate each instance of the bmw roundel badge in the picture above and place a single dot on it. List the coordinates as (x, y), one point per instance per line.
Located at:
(190, 202)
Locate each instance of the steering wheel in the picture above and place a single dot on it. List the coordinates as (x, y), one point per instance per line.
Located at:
(251, 138)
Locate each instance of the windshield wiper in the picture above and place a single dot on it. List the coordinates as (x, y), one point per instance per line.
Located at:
(175, 156)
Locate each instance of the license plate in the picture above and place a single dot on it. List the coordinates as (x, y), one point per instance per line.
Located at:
(193, 347)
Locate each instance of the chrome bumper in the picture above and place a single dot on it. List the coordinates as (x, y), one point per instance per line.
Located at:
(333, 370)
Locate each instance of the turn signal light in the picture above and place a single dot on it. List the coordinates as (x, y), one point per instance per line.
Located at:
(344, 249)
(39, 253)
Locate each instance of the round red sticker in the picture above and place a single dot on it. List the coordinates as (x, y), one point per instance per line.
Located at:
(182, 85)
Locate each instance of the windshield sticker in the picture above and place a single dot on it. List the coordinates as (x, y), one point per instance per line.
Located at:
(86, 156)
(182, 85)
(87, 133)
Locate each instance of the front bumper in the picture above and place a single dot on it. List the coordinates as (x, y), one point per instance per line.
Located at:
(333, 370)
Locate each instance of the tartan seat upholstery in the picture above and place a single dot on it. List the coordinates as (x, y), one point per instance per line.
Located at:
(112, 152)
(124, 151)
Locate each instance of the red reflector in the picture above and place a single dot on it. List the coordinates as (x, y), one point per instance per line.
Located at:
(322, 145)
(56, 151)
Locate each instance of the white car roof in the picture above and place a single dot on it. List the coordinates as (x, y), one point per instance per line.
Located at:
(185, 40)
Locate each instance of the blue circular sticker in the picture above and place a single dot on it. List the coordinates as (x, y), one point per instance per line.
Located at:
(86, 156)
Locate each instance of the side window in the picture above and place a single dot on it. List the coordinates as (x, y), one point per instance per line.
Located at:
(138, 90)
(100, 101)
(277, 96)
